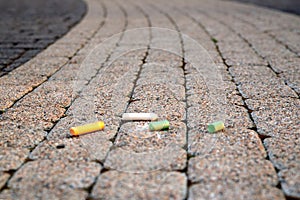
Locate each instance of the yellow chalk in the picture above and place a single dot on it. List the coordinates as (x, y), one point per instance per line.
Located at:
(216, 126)
(88, 128)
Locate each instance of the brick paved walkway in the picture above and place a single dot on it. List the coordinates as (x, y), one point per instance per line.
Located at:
(72, 82)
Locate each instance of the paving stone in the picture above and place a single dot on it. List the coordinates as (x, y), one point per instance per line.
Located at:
(289, 38)
(266, 46)
(67, 193)
(42, 117)
(22, 81)
(154, 185)
(17, 135)
(37, 67)
(198, 92)
(54, 93)
(7, 99)
(27, 27)
(275, 116)
(235, 116)
(91, 147)
(11, 158)
(290, 181)
(129, 52)
(160, 74)
(292, 79)
(235, 142)
(284, 64)
(166, 103)
(171, 157)
(3, 178)
(219, 190)
(284, 151)
(247, 58)
(55, 179)
(251, 73)
(60, 51)
(136, 136)
(225, 169)
(162, 56)
(237, 46)
(265, 89)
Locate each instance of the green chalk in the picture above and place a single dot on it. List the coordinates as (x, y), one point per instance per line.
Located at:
(216, 126)
(160, 125)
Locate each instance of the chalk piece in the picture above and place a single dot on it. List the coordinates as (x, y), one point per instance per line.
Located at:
(88, 128)
(139, 116)
(216, 126)
(160, 125)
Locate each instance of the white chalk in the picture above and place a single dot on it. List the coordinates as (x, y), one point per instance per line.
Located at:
(139, 116)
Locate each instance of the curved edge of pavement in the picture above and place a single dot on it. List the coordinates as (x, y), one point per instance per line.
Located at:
(21, 81)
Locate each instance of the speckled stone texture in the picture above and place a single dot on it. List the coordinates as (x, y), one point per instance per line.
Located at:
(154, 185)
(52, 179)
(100, 70)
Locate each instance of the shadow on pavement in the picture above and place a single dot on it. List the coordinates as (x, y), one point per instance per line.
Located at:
(29, 26)
(291, 6)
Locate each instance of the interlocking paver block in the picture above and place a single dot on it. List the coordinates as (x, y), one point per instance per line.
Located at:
(12, 158)
(234, 142)
(159, 99)
(290, 181)
(154, 185)
(171, 157)
(276, 116)
(225, 169)
(3, 178)
(217, 190)
(55, 179)
(284, 151)
(136, 136)
(90, 147)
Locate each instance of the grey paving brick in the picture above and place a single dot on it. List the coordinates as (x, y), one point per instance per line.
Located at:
(136, 136)
(20, 136)
(160, 99)
(171, 157)
(289, 38)
(290, 181)
(89, 147)
(219, 190)
(284, 64)
(251, 73)
(3, 178)
(120, 185)
(292, 79)
(234, 142)
(268, 88)
(235, 116)
(11, 158)
(53, 179)
(10, 194)
(224, 169)
(276, 116)
(283, 151)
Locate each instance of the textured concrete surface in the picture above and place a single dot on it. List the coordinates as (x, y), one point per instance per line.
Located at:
(214, 60)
